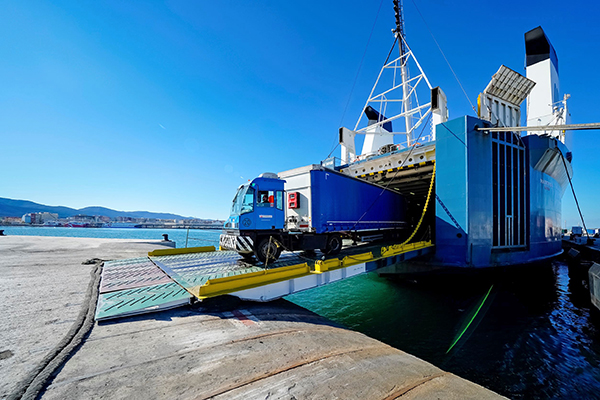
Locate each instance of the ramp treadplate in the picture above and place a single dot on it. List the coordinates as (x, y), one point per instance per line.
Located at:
(147, 299)
(131, 273)
(195, 269)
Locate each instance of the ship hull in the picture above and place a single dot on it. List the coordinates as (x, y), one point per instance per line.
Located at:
(498, 196)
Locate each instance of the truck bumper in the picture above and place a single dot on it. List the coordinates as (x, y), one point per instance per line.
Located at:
(241, 244)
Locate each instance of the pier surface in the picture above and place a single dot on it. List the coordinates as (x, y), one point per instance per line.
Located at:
(221, 348)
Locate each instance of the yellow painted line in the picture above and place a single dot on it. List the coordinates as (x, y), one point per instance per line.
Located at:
(390, 170)
(423, 163)
(371, 173)
(169, 252)
(236, 283)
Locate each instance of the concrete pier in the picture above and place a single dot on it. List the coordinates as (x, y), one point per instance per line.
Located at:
(42, 286)
(222, 348)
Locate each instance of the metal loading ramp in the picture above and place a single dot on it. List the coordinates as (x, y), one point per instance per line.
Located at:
(136, 286)
(168, 278)
(213, 274)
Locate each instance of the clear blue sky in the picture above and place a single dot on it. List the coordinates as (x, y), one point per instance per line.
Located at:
(170, 106)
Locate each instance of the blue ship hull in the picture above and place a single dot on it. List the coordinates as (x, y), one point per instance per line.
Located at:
(498, 196)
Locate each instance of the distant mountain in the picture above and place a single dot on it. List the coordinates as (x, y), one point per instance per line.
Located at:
(18, 208)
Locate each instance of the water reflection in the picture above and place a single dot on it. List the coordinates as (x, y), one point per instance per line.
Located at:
(533, 337)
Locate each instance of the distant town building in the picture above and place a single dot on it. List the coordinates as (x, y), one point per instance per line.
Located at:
(46, 216)
(12, 220)
(39, 218)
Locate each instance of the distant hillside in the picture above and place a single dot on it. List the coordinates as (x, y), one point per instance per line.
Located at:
(17, 208)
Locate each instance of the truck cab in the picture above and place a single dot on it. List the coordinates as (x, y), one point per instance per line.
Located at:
(256, 212)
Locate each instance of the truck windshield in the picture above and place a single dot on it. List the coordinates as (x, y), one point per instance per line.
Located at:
(243, 202)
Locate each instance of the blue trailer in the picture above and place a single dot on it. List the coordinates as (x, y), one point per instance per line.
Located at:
(309, 208)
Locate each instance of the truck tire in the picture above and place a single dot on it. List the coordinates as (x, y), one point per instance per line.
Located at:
(334, 244)
(267, 249)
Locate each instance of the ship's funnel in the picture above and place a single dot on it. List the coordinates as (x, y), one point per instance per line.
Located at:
(542, 68)
(538, 48)
(377, 134)
(374, 117)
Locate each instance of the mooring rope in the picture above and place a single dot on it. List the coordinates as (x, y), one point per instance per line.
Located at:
(33, 384)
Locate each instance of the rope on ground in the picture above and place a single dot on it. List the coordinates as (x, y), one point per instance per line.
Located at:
(33, 384)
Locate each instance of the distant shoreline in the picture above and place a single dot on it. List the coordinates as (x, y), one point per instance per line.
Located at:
(146, 226)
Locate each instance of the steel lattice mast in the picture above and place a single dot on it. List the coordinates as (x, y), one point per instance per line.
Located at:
(395, 95)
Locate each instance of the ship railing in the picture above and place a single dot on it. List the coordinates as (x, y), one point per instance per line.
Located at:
(397, 147)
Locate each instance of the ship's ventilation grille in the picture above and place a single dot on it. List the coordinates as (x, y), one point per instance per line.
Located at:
(509, 177)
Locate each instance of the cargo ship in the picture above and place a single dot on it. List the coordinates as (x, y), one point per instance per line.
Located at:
(484, 190)
(497, 185)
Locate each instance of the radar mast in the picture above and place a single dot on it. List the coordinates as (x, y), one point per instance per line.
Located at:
(395, 95)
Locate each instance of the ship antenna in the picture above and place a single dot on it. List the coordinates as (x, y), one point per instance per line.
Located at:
(406, 89)
(399, 31)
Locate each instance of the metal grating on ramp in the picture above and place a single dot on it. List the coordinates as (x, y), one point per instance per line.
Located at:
(192, 270)
(214, 273)
(131, 273)
(138, 285)
(147, 299)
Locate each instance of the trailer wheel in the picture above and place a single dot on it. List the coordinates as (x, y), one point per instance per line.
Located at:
(334, 244)
(267, 249)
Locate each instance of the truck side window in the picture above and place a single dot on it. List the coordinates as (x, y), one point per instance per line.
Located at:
(266, 198)
(263, 198)
(279, 200)
(248, 204)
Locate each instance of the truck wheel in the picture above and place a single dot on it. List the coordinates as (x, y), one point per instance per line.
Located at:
(334, 244)
(267, 249)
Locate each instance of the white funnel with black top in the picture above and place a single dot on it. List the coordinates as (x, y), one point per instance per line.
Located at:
(545, 107)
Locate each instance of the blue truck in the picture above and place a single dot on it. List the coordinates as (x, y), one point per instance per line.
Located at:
(306, 209)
